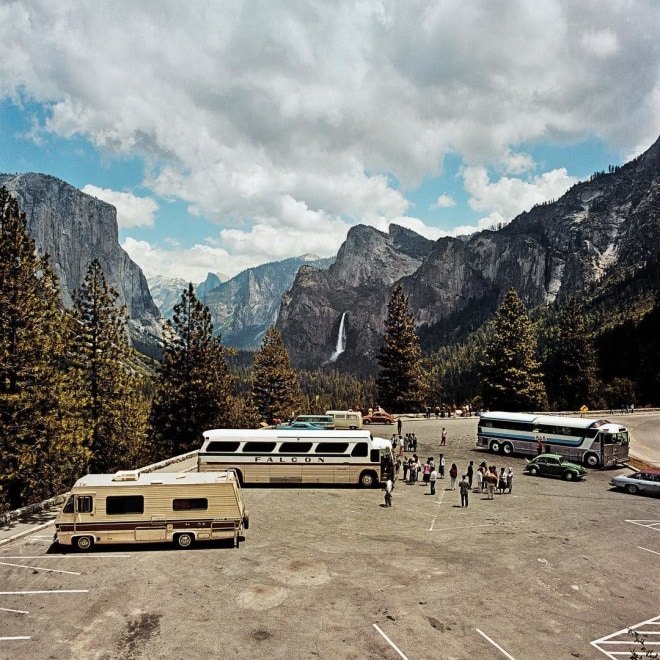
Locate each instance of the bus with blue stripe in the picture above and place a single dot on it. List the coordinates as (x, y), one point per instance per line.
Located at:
(593, 442)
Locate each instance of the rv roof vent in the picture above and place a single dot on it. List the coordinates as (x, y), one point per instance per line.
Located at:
(126, 475)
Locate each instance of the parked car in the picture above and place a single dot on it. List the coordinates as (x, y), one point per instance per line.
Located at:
(301, 426)
(643, 481)
(554, 465)
(378, 418)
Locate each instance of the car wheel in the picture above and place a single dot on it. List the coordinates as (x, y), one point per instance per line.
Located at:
(569, 476)
(495, 447)
(632, 489)
(533, 470)
(367, 479)
(184, 540)
(84, 542)
(366, 422)
(591, 460)
(507, 449)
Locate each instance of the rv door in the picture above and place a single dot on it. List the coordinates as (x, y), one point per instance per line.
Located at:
(83, 508)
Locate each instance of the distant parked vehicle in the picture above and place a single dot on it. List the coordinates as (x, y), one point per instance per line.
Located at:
(554, 465)
(346, 419)
(643, 481)
(378, 418)
(324, 421)
(307, 426)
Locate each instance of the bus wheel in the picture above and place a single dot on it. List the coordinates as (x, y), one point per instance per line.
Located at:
(507, 449)
(84, 542)
(367, 479)
(591, 460)
(495, 446)
(184, 540)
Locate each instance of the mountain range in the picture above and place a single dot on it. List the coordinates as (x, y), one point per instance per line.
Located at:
(608, 224)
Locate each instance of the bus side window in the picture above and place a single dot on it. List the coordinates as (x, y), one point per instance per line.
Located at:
(360, 449)
(85, 504)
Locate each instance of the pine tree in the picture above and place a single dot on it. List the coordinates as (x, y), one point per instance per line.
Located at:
(401, 380)
(40, 449)
(109, 391)
(275, 388)
(193, 393)
(511, 374)
(570, 365)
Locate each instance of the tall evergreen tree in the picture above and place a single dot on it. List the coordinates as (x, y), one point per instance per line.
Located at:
(570, 365)
(401, 380)
(40, 451)
(110, 392)
(511, 374)
(193, 393)
(275, 388)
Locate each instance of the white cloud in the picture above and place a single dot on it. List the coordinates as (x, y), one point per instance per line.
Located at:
(507, 197)
(132, 211)
(279, 120)
(444, 202)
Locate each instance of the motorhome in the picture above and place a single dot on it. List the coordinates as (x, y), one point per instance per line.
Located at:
(136, 507)
(346, 419)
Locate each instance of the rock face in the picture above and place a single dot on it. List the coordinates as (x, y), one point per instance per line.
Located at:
(74, 228)
(245, 306)
(455, 285)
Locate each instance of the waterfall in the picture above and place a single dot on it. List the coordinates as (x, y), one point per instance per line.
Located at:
(341, 339)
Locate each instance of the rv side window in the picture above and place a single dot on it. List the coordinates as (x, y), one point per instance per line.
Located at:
(190, 504)
(258, 447)
(360, 449)
(219, 447)
(332, 447)
(68, 507)
(295, 447)
(116, 505)
(374, 456)
(85, 504)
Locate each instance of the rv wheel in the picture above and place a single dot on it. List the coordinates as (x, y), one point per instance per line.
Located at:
(84, 542)
(184, 540)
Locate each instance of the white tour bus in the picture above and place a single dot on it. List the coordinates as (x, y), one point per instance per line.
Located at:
(298, 456)
(135, 507)
(594, 442)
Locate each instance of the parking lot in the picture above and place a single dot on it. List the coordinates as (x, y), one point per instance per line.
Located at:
(330, 573)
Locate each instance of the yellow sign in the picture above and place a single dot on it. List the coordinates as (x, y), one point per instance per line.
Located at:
(584, 409)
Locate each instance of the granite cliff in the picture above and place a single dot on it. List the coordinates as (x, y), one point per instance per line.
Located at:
(73, 228)
(454, 285)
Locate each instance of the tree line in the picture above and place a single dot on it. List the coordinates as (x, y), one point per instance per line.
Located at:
(75, 397)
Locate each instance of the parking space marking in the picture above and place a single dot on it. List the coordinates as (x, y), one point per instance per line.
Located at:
(97, 555)
(607, 645)
(6, 609)
(390, 642)
(14, 639)
(649, 524)
(25, 532)
(647, 550)
(437, 510)
(495, 644)
(44, 591)
(38, 568)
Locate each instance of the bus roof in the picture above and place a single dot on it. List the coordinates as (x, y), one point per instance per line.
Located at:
(289, 434)
(133, 478)
(573, 422)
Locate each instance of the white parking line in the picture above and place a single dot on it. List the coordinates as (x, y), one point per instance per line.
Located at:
(437, 510)
(495, 644)
(38, 568)
(608, 645)
(390, 642)
(25, 532)
(13, 639)
(97, 555)
(6, 609)
(647, 550)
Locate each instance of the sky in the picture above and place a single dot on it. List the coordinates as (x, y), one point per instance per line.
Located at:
(231, 134)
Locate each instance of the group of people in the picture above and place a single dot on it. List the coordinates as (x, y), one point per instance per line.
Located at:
(489, 480)
(404, 443)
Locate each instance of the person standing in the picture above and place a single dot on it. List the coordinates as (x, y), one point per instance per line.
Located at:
(399, 425)
(453, 473)
(480, 478)
(491, 482)
(509, 480)
(443, 437)
(470, 473)
(426, 472)
(388, 492)
(441, 465)
(432, 479)
(464, 487)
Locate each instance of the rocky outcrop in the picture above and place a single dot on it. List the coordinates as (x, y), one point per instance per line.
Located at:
(454, 285)
(74, 228)
(245, 306)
